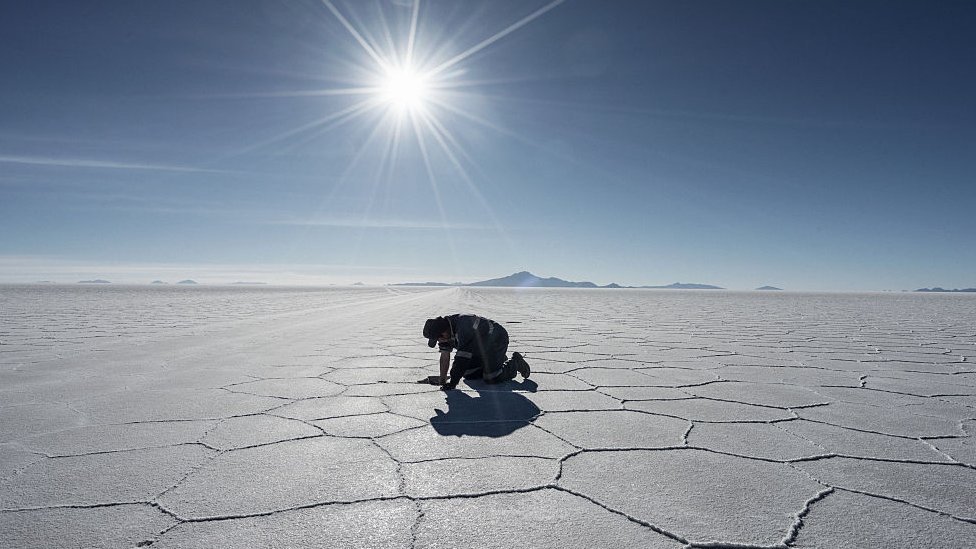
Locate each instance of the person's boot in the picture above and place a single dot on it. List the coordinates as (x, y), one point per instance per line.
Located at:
(521, 365)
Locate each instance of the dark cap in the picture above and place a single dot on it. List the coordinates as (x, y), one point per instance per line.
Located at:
(433, 329)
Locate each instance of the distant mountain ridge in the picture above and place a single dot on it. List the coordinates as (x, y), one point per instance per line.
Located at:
(683, 286)
(525, 279)
(938, 289)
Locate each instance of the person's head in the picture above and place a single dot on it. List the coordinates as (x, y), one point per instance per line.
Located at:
(436, 329)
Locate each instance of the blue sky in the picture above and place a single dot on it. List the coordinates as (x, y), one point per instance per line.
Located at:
(811, 145)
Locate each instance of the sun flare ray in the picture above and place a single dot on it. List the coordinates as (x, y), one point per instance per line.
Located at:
(495, 37)
(370, 50)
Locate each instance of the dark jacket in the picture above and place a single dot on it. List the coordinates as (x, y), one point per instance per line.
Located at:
(481, 345)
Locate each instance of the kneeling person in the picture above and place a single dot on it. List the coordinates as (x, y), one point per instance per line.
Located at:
(481, 346)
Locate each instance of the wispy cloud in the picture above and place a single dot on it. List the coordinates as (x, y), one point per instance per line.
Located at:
(31, 268)
(376, 223)
(101, 164)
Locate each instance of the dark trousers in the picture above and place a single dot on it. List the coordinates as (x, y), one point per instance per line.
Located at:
(489, 359)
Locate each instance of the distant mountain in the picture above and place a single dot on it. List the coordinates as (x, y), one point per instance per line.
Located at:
(686, 286)
(96, 281)
(187, 281)
(769, 288)
(937, 289)
(157, 282)
(525, 279)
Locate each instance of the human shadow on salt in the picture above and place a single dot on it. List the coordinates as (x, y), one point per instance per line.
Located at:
(496, 411)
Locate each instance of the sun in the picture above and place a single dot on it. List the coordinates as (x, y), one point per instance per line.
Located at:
(404, 88)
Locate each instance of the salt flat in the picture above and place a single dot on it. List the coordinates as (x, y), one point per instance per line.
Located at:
(206, 417)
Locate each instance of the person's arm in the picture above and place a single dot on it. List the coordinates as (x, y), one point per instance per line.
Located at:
(445, 364)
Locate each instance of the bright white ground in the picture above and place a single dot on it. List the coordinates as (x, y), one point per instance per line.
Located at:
(188, 417)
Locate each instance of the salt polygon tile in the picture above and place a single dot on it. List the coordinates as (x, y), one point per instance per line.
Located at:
(54, 386)
(564, 356)
(326, 407)
(466, 406)
(388, 389)
(107, 438)
(368, 426)
(943, 487)
(614, 347)
(921, 367)
(240, 432)
(964, 382)
(617, 429)
(969, 401)
(700, 409)
(560, 401)
(696, 364)
(285, 475)
(119, 477)
(625, 362)
(852, 357)
(676, 354)
(544, 519)
(177, 404)
(845, 519)
(961, 449)
(931, 387)
(294, 388)
(916, 356)
(600, 377)
(552, 367)
(850, 442)
(758, 440)
(885, 420)
(16, 397)
(289, 370)
(940, 408)
(185, 376)
(377, 375)
(762, 394)
(701, 496)
(645, 393)
(678, 377)
(382, 360)
(805, 377)
(421, 405)
(453, 477)
(96, 528)
(365, 525)
(747, 360)
(474, 440)
(893, 351)
(869, 396)
(14, 457)
(558, 382)
(30, 419)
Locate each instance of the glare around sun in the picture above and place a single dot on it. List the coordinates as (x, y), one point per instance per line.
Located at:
(404, 88)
